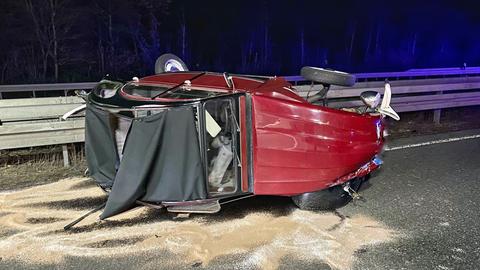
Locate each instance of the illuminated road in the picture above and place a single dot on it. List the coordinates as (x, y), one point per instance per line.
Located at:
(430, 194)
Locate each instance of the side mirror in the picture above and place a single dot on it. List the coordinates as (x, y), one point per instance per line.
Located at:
(371, 99)
(385, 107)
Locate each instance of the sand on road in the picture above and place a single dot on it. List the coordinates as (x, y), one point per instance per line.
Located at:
(32, 220)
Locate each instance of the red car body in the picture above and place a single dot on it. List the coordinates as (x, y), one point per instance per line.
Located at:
(296, 147)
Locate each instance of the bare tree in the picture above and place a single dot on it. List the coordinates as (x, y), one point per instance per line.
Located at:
(353, 33)
(414, 44)
(54, 6)
(183, 30)
(42, 33)
(52, 24)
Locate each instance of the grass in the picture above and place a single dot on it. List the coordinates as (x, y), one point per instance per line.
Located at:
(36, 166)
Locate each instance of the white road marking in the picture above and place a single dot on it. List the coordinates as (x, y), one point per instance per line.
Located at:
(432, 142)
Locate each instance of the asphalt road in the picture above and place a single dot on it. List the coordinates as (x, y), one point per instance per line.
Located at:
(431, 194)
(428, 194)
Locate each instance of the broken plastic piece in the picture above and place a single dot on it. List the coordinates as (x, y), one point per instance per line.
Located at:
(212, 126)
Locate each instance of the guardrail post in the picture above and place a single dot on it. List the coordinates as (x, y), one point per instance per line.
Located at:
(66, 161)
(437, 113)
(436, 116)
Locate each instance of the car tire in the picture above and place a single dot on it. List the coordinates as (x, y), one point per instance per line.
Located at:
(327, 76)
(327, 199)
(169, 63)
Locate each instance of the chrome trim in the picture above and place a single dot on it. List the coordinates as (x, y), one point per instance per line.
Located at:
(238, 198)
(233, 99)
(73, 111)
(185, 203)
(249, 131)
(205, 201)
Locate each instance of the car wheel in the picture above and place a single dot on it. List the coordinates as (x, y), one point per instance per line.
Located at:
(327, 199)
(169, 63)
(327, 76)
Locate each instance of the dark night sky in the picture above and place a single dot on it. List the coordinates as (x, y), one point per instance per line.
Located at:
(265, 37)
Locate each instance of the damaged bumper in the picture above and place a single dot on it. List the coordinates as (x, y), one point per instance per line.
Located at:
(367, 168)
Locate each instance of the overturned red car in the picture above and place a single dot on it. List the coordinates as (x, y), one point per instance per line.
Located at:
(191, 141)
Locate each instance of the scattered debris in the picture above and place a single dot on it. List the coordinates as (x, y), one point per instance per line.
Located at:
(181, 216)
(260, 238)
(197, 264)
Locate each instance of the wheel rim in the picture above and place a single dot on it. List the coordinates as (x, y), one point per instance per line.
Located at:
(173, 65)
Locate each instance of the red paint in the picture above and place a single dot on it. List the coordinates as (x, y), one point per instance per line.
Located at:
(297, 146)
(209, 80)
(300, 147)
(278, 88)
(362, 171)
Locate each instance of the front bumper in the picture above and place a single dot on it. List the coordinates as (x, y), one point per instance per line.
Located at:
(367, 168)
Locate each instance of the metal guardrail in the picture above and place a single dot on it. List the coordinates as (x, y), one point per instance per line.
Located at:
(35, 121)
(45, 87)
(408, 95)
(42, 133)
(409, 74)
(32, 109)
(413, 90)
